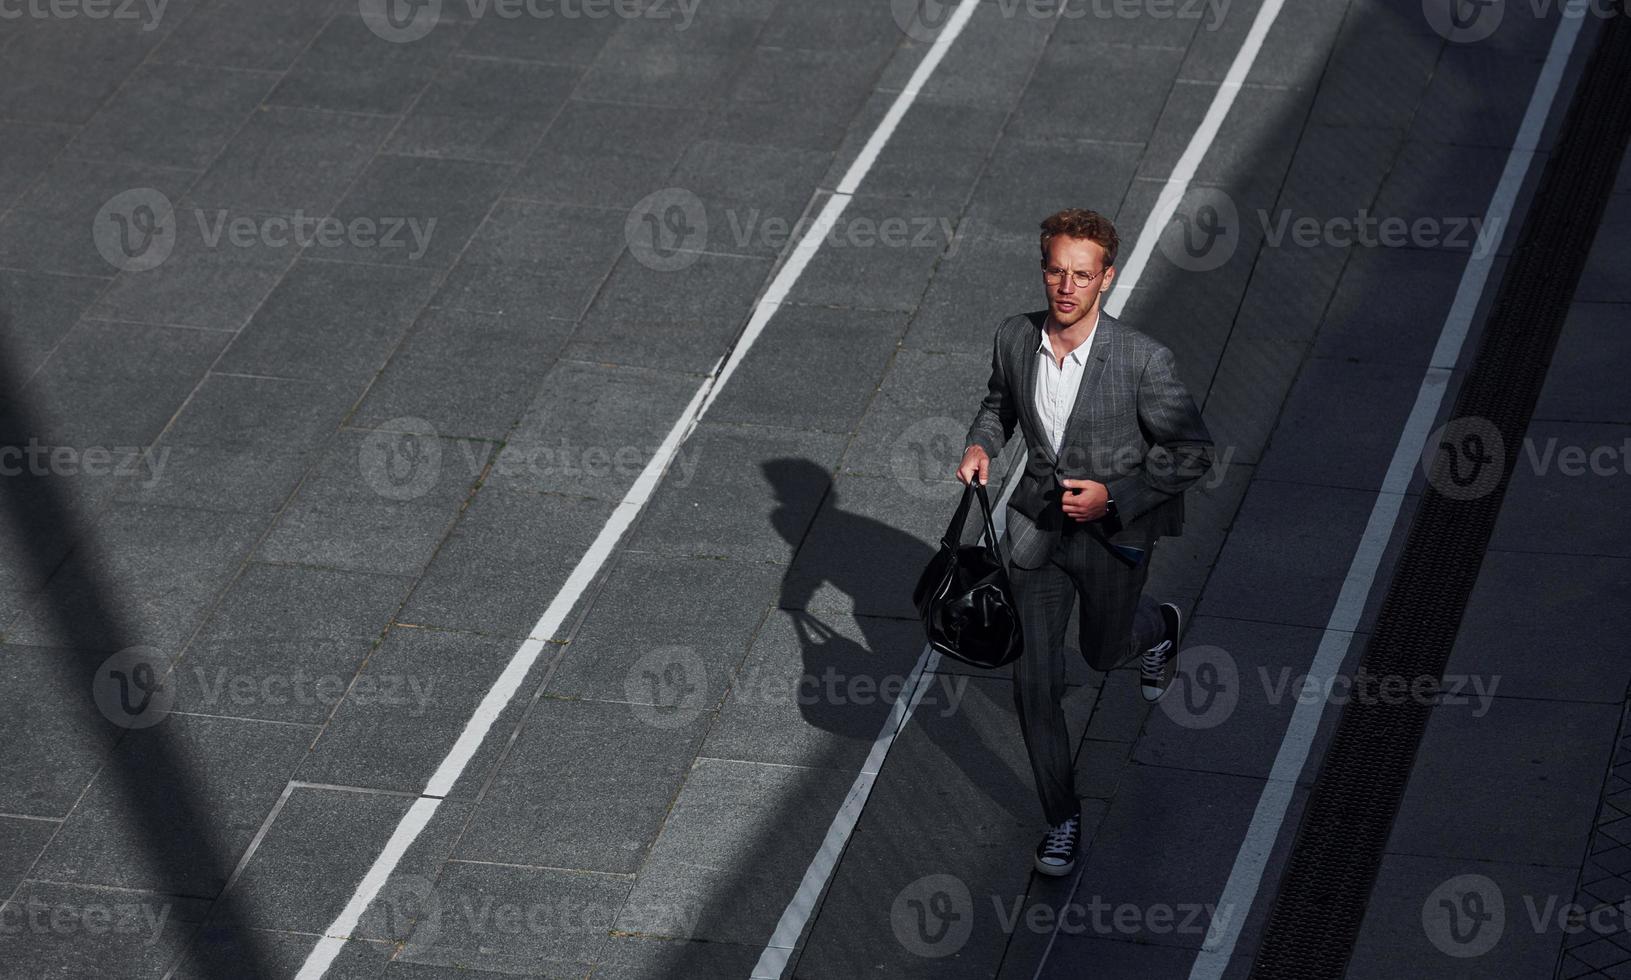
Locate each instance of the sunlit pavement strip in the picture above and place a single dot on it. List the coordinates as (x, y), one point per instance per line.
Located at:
(509, 682)
(1247, 874)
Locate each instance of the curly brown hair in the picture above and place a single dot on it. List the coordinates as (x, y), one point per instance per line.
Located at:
(1082, 223)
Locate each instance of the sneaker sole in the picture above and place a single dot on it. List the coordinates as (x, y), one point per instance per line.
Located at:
(1053, 870)
(1173, 618)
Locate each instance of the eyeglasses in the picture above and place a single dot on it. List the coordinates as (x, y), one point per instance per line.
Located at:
(1054, 274)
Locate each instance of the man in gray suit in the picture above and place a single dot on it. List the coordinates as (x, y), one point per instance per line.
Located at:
(1112, 441)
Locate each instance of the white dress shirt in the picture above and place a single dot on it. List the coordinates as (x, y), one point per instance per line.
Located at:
(1057, 385)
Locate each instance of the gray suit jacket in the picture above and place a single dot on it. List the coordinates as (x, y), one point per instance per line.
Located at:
(1134, 428)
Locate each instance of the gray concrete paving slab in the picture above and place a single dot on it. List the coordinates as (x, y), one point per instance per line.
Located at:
(216, 276)
(319, 842)
(777, 479)
(587, 786)
(172, 115)
(69, 194)
(268, 164)
(377, 502)
(605, 153)
(1273, 571)
(1567, 480)
(537, 922)
(1293, 54)
(880, 255)
(425, 210)
(668, 319)
(1337, 425)
(1239, 683)
(991, 64)
(575, 41)
(293, 334)
(535, 260)
(1263, 135)
(913, 419)
(244, 34)
(989, 278)
(61, 69)
(284, 643)
(467, 373)
(115, 385)
(242, 766)
(899, 533)
(411, 700)
(1583, 385)
(479, 109)
(1391, 325)
(1475, 772)
(21, 842)
(218, 954)
(51, 753)
(694, 884)
(784, 382)
(591, 428)
(1605, 279)
(1411, 892)
(31, 148)
(1529, 610)
(1025, 181)
(350, 67)
(815, 690)
(39, 309)
(1374, 79)
(74, 929)
(507, 548)
(658, 627)
(648, 958)
(171, 562)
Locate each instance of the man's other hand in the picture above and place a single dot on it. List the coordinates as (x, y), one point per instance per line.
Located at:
(1084, 500)
(975, 463)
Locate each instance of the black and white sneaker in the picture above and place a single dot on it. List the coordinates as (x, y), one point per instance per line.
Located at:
(1056, 855)
(1160, 662)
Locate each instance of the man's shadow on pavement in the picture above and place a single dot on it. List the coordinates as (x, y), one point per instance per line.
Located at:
(876, 565)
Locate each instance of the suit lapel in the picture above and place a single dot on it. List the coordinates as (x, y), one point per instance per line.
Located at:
(1105, 337)
(1027, 373)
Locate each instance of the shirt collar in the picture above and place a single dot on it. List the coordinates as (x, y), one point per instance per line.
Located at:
(1079, 355)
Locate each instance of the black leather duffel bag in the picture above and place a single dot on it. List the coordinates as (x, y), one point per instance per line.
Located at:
(964, 598)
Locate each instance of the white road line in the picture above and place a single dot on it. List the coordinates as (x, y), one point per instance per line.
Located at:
(1247, 874)
(1172, 192)
(509, 681)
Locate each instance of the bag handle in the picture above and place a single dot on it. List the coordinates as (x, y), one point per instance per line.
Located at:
(954, 532)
